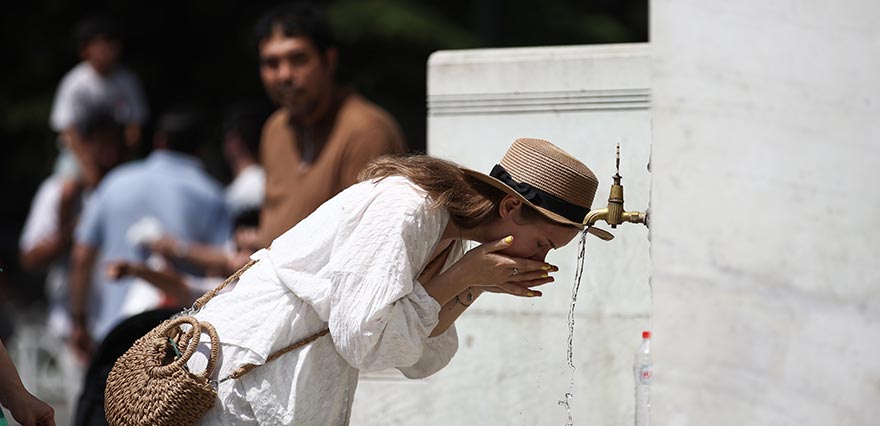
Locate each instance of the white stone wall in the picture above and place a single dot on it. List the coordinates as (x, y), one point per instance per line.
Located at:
(511, 366)
(765, 161)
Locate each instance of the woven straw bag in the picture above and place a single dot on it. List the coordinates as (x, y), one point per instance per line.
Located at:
(150, 384)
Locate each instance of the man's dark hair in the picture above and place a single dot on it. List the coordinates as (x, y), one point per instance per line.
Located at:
(97, 119)
(89, 28)
(300, 19)
(247, 118)
(183, 129)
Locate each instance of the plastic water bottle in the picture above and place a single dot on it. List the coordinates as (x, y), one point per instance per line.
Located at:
(642, 373)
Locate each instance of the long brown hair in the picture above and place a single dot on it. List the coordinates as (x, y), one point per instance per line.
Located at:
(470, 202)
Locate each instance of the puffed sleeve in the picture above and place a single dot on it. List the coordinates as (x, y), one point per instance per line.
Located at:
(380, 316)
(437, 354)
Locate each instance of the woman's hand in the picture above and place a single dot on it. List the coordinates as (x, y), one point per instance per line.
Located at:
(484, 269)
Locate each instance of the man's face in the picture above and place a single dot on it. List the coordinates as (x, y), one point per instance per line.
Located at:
(103, 53)
(295, 74)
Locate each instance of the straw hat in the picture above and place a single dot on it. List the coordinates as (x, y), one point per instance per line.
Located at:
(550, 180)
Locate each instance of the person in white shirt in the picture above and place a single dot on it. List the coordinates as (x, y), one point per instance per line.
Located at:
(383, 267)
(47, 236)
(98, 81)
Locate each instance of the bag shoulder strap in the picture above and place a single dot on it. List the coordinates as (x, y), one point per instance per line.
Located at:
(210, 295)
(244, 369)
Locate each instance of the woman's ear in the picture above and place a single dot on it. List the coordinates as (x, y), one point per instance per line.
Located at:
(509, 205)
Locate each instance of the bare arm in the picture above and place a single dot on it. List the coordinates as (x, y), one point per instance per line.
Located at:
(25, 408)
(41, 255)
(81, 265)
(212, 259)
(46, 251)
(453, 309)
(166, 281)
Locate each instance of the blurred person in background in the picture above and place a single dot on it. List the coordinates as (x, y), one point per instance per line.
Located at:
(48, 231)
(241, 128)
(47, 235)
(168, 192)
(322, 135)
(242, 123)
(99, 79)
(181, 289)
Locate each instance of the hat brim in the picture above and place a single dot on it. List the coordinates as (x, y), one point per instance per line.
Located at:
(601, 233)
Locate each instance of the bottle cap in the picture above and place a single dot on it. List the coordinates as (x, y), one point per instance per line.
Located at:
(646, 335)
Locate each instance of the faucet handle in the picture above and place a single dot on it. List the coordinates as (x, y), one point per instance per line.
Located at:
(618, 159)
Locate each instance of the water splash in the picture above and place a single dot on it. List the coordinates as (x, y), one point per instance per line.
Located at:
(579, 272)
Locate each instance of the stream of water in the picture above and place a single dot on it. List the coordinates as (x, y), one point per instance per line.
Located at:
(579, 271)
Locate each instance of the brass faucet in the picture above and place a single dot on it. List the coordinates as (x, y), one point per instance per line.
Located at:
(614, 214)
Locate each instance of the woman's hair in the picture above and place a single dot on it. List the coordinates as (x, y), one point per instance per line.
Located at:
(470, 201)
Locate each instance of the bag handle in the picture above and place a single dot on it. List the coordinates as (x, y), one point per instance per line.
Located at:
(192, 342)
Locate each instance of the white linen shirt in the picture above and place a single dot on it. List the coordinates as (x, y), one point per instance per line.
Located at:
(352, 265)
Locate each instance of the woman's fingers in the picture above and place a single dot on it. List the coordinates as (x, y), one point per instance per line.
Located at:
(517, 290)
(535, 282)
(488, 266)
(524, 276)
(523, 288)
(526, 269)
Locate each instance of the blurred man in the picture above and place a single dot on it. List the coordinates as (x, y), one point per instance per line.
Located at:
(168, 192)
(241, 127)
(323, 135)
(48, 232)
(98, 80)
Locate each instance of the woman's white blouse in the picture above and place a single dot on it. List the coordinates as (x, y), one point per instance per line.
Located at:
(351, 265)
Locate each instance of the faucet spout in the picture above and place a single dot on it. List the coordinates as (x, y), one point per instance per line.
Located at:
(615, 214)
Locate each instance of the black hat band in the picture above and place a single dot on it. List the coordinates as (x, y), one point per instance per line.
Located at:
(539, 197)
